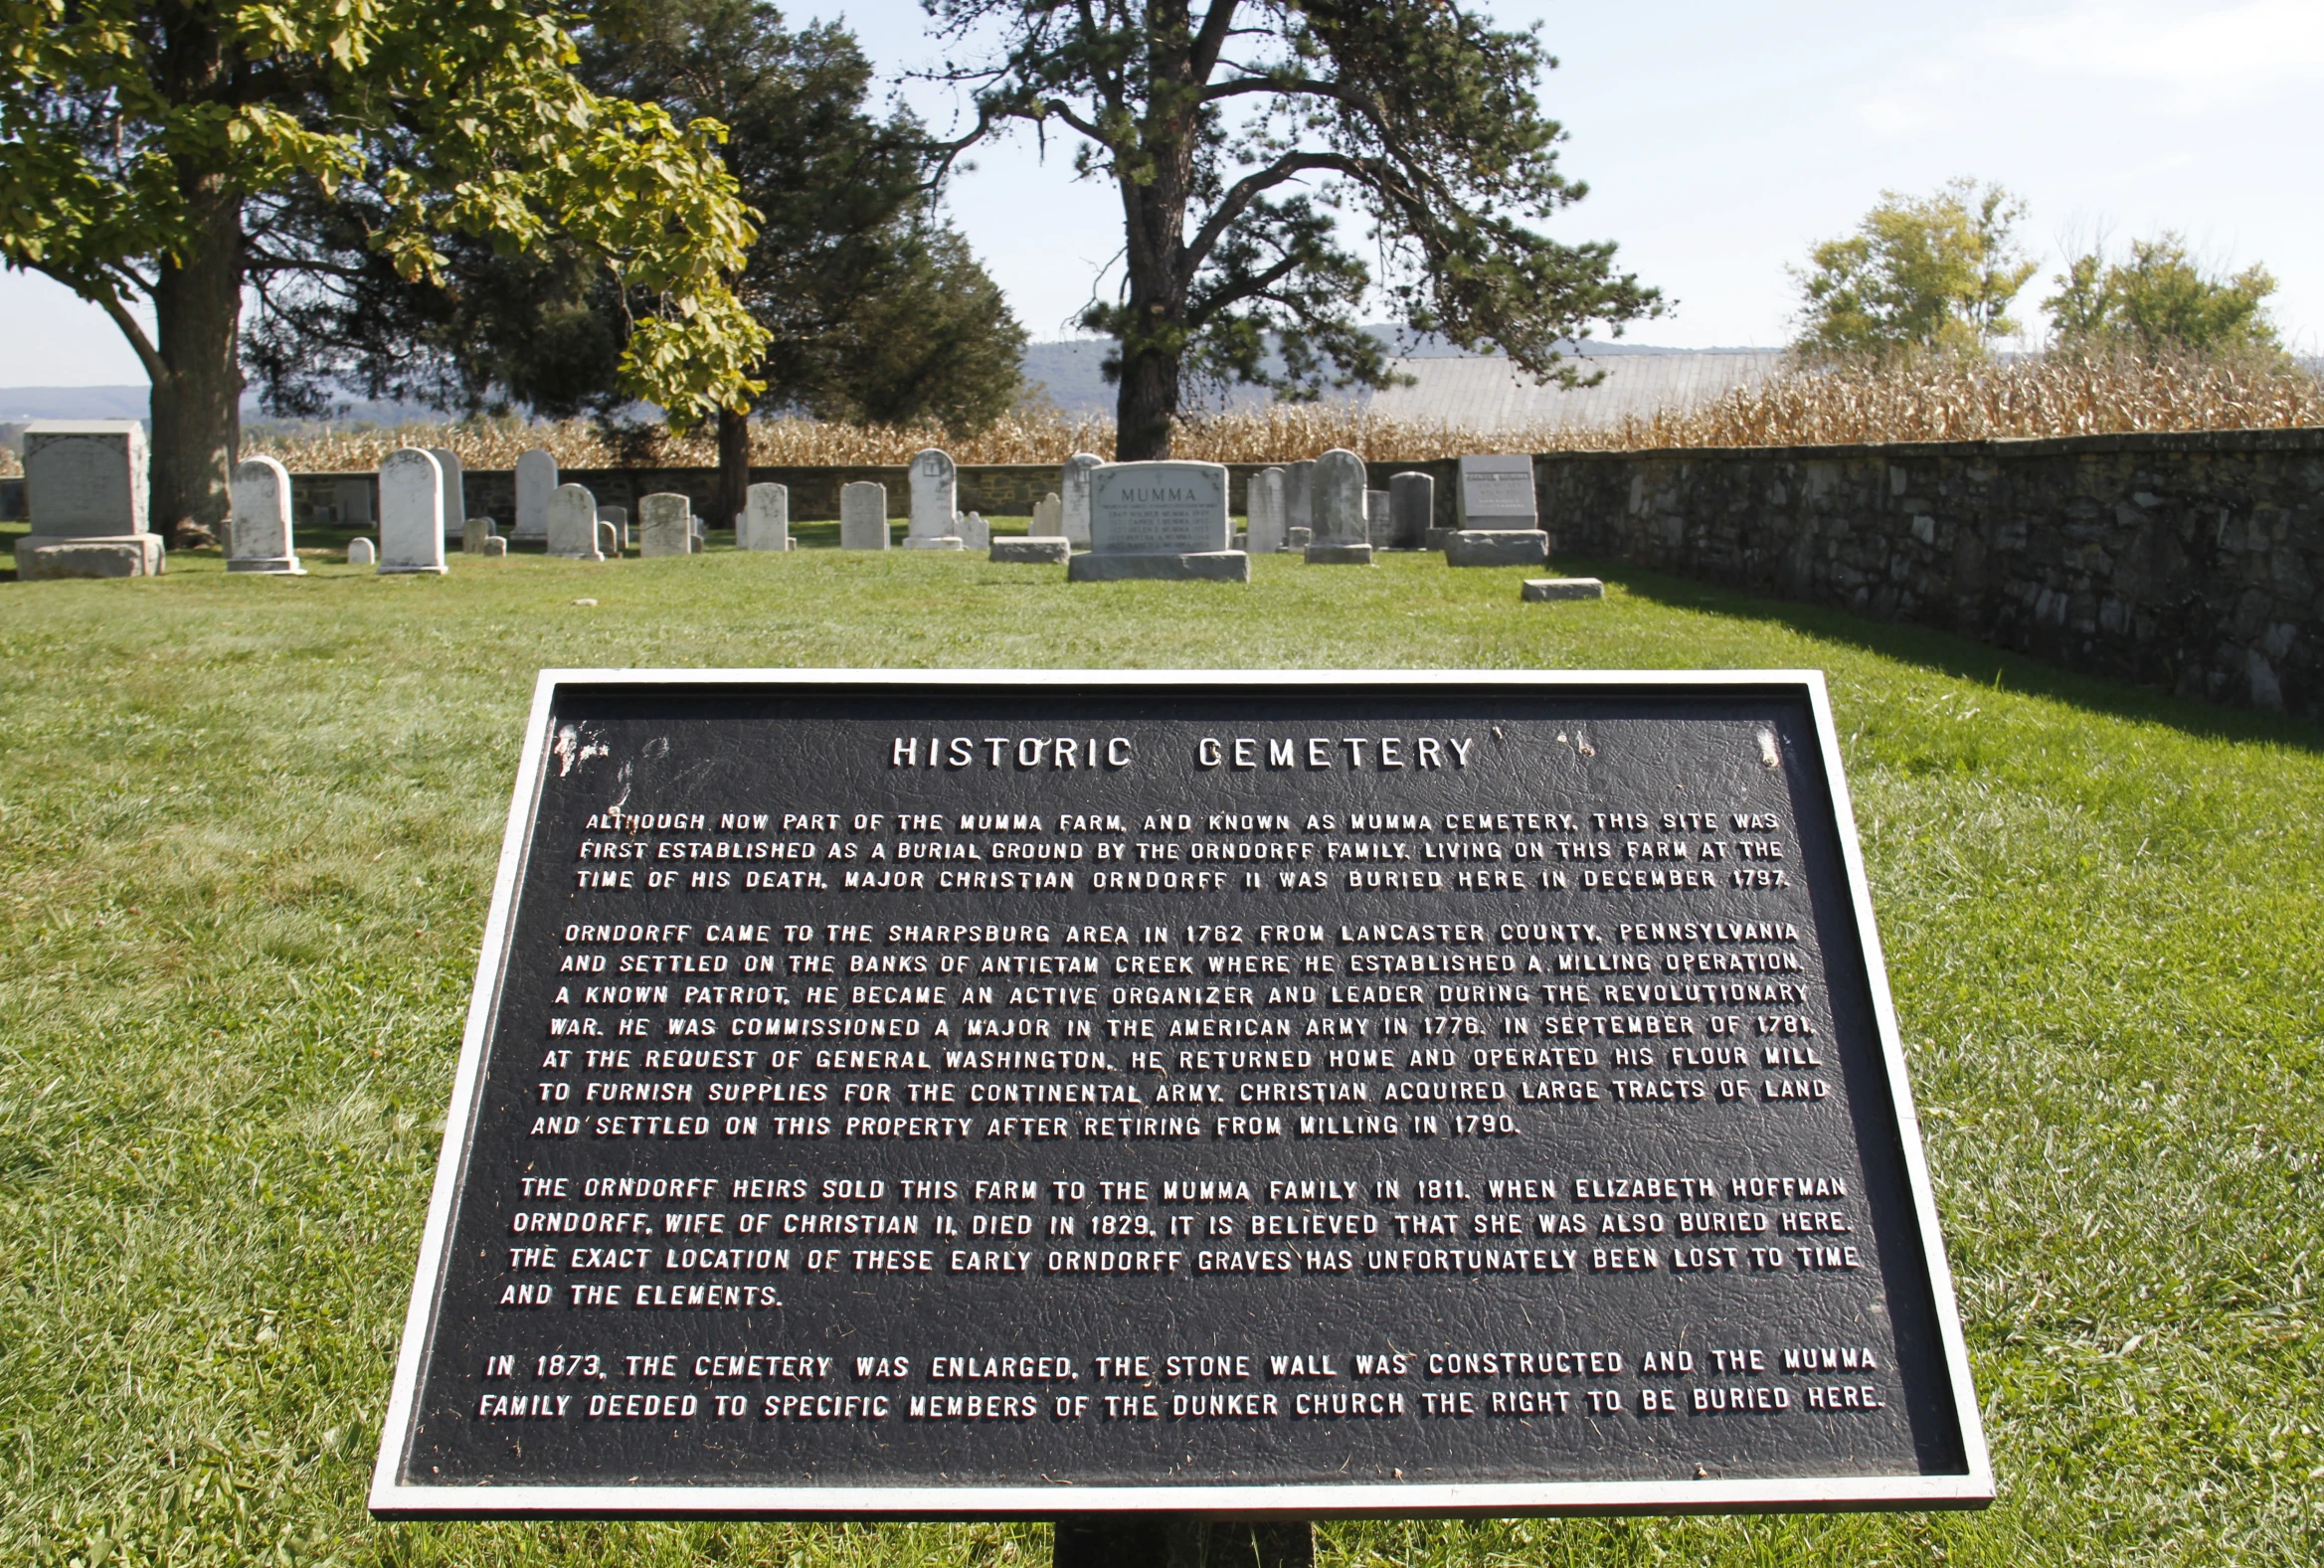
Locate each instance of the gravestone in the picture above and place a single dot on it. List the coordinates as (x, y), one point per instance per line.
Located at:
(351, 503)
(1048, 517)
(86, 496)
(259, 533)
(765, 520)
(1497, 547)
(477, 536)
(494, 546)
(570, 526)
(864, 516)
(1025, 1180)
(1378, 523)
(1556, 590)
(1341, 535)
(609, 539)
(1033, 550)
(536, 482)
(361, 552)
(1412, 501)
(1073, 492)
(975, 533)
(1263, 507)
(1298, 495)
(934, 504)
(1497, 492)
(1159, 520)
(618, 516)
(456, 493)
(665, 525)
(411, 512)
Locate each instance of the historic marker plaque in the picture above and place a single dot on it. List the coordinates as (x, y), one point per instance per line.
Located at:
(1027, 1093)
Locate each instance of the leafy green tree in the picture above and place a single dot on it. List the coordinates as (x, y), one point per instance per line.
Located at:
(872, 309)
(1242, 137)
(1937, 272)
(2161, 301)
(135, 134)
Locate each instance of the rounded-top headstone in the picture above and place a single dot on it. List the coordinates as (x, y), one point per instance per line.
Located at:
(257, 537)
(570, 525)
(411, 512)
(1073, 493)
(1338, 499)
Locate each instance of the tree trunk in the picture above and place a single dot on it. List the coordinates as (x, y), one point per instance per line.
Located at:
(197, 400)
(734, 467)
(1145, 402)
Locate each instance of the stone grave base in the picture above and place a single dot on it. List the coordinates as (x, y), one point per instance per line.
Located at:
(947, 542)
(277, 566)
(1549, 590)
(1297, 539)
(494, 546)
(40, 557)
(1438, 538)
(1041, 551)
(1498, 547)
(1205, 566)
(1338, 555)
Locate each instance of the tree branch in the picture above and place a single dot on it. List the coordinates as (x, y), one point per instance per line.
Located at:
(1217, 25)
(109, 301)
(1248, 189)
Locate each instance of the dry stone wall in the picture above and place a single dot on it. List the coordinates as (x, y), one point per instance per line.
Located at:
(2190, 562)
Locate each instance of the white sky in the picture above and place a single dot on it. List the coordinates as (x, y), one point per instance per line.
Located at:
(1720, 140)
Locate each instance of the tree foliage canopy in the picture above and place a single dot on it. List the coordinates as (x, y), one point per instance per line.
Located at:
(1934, 272)
(2161, 301)
(870, 307)
(119, 118)
(1246, 140)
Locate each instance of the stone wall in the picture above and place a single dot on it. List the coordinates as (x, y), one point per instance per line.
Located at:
(994, 489)
(2190, 562)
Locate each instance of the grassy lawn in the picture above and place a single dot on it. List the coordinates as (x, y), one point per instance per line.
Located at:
(248, 826)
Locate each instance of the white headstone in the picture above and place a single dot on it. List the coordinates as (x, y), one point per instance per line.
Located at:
(618, 516)
(1298, 495)
(975, 533)
(477, 536)
(609, 539)
(1412, 500)
(1048, 517)
(411, 512)
(1263, 505)
(455, 490)
(934, 504)
(536, 482)
(258, 537)
(1498, 492)
(665, 525)
(84, 478)
(361, 552)
(569, 523)
(765, 521)
(1073, 490)
(352, 503)
(1159, 508)
(863, 515)
(1338, 499)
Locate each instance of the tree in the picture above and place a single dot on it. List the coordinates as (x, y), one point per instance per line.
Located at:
(1937, 272)
(872, 309)
(1238, 138)
(2161, 301)
(134, 135)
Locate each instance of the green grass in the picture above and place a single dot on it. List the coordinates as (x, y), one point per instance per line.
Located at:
(247, 831)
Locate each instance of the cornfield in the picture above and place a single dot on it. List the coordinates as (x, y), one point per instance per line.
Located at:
(1920, 400)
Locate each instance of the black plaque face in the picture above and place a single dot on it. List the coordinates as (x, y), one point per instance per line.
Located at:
(996, 1094)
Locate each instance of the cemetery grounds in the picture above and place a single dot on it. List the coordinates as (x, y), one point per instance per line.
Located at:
(248, 826)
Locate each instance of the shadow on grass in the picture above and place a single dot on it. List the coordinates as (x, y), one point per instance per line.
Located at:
(1963, 658)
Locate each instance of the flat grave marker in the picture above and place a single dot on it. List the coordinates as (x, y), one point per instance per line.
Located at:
(1058, 1093)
